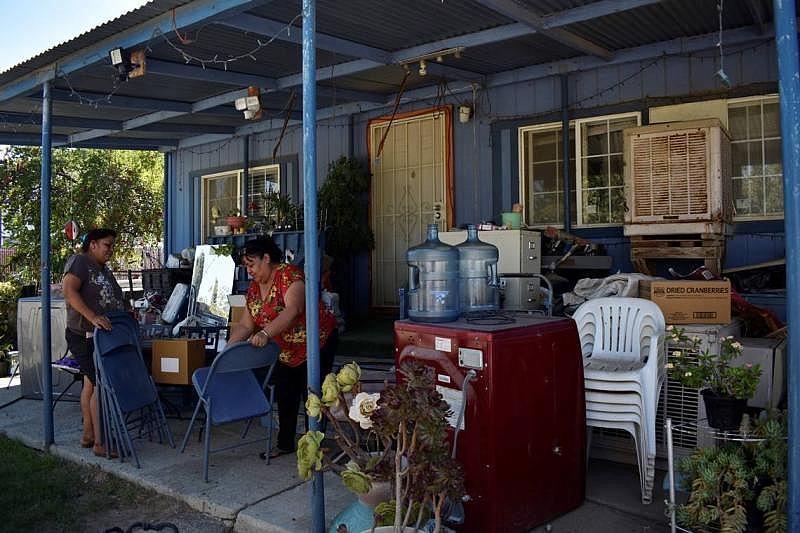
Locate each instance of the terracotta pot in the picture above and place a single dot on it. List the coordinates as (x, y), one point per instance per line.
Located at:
(723, 412)
(236, 222)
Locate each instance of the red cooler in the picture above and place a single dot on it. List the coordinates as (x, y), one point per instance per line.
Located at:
(523, 438)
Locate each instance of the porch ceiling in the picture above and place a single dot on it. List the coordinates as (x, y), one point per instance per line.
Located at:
(362, 45)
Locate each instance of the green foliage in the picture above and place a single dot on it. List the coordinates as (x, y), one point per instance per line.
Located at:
(44, 493)
(343, 200)
(721, 485)
(281, 212)
(412, 416)
(96, 188)
(9, 293)
(728, 480)
(409, 420)
(703, 370)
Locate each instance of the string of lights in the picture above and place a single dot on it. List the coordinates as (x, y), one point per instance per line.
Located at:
(216, 60)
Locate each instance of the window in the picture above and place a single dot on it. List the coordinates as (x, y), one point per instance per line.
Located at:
(222, 194)
(757, 169)
(597, 181)
(262, 180)
(540, 175)
(600, 174)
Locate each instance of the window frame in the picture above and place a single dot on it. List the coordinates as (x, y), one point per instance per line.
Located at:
(772, 98)
(242, 185)
(538, 128)
(578, 188)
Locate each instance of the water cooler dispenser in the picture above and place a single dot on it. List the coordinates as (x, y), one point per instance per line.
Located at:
(523, 434)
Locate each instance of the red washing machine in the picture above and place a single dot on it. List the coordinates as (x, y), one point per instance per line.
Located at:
(523, 437)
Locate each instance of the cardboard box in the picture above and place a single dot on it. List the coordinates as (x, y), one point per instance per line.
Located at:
(236, 314)
(693, 302)
(174, 360)
(238, 304)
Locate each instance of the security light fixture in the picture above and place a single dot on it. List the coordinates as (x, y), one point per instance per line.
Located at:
(127, 64)
(250, 104)
(117, 56)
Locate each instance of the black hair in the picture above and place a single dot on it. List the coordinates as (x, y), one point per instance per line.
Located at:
(261, 246)
(95, 235)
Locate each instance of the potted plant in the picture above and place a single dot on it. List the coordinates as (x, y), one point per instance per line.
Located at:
(407, 423)
(720, 482)
(725, 387)
(235, 219)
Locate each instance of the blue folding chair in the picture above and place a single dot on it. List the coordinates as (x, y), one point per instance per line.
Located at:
(228, 391)
(128, 396)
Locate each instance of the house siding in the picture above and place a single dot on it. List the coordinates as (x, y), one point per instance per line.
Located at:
(485, 149)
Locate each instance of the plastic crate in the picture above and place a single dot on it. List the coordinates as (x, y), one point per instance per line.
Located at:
(163, 280)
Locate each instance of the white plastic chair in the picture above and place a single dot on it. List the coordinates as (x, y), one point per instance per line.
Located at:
(622, 341)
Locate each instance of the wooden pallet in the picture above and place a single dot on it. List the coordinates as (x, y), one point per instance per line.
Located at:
(706, 247)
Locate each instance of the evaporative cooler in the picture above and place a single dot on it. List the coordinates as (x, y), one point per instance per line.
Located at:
(523, 436)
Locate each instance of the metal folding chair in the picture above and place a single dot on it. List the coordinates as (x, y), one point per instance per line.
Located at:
(229, 392)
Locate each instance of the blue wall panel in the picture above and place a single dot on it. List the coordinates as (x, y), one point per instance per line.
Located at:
(485, 149)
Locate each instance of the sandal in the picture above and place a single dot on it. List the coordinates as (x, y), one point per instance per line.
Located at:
(100, 451)
(276, 452)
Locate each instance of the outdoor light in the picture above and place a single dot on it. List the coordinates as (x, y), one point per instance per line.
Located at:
(423, 67)
(128, 64)
(250, 105)
(117, 56)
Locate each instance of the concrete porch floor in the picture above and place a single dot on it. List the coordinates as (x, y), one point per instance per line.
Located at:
(251, 496)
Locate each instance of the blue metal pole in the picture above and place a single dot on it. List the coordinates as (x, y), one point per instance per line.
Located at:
(44, 252)
(789, 86)
(165, 218)
(311, 236)
(565, 152)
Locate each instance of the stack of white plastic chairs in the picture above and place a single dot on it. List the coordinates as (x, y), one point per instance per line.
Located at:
(622, 341)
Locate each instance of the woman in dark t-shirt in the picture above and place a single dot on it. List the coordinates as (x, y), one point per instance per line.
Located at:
(90, 291)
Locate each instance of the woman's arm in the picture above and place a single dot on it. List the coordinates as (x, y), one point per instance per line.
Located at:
(71, 285)
(295, 300)
(242, 329)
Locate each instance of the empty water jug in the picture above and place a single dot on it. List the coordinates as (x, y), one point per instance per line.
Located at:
(477, 274)
(432, 280)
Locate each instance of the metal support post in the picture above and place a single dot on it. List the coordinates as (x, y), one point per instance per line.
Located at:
(311, 236)
(789, 86)
(44, 252)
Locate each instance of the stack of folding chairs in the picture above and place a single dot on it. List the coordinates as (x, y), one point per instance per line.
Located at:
(622, 341)
(127, 396)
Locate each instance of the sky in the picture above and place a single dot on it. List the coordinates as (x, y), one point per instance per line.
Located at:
(34, 26)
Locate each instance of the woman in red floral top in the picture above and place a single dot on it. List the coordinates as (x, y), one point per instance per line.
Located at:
(276, 312)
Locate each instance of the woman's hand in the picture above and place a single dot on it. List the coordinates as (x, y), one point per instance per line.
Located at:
(100, 321)
(259, 339)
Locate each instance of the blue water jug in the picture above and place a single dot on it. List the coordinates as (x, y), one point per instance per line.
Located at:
(478, 284)
(433, 280)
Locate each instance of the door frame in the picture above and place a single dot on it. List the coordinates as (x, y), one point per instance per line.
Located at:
(447, 110)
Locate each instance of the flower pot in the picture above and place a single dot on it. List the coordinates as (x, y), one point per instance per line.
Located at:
(236, 222)
(723, 412)
(358, 515)
(5, 367)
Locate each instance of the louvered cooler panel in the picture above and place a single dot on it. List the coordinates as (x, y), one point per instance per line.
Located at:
(677, 178)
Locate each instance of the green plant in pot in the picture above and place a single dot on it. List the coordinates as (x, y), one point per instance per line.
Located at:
(407, 422)
(725, 386)
(720, 481)
(769, 454)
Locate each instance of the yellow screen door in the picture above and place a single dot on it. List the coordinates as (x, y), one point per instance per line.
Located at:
(410, 189)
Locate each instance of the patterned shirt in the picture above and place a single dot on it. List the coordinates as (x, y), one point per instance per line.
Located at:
(99, 291)
(292, 341)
